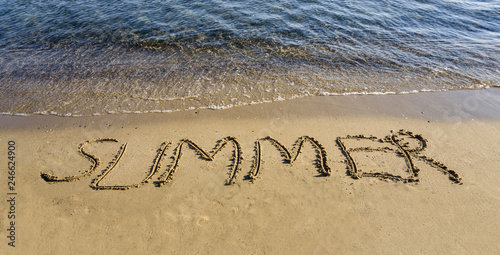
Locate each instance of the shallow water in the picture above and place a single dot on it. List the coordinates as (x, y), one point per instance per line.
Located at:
(97, 57)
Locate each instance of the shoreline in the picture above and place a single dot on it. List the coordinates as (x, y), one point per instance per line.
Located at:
(457, 105)
(369, 203)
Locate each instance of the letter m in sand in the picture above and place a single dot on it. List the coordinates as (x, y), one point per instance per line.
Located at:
(291, 156)
(236, 158)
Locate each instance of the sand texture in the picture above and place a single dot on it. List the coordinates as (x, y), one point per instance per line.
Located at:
(399, 174)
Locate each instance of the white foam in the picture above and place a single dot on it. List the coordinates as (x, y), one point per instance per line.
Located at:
(236, 102)
(218, 107)
(21, 114)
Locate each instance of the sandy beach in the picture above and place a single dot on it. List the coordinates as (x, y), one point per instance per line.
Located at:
(390, 174)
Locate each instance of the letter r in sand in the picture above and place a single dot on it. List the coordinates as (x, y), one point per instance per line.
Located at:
(395, 143)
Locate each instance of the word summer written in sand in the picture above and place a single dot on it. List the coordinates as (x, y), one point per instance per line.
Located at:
(403, 143)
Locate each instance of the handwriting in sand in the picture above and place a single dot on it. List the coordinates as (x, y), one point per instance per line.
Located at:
(397, 140)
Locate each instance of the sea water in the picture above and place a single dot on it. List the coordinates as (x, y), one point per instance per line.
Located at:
(81, 58)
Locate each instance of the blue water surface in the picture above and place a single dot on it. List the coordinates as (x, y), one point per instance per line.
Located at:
(158, 50)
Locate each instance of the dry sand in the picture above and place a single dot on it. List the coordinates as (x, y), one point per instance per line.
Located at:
(288, 208)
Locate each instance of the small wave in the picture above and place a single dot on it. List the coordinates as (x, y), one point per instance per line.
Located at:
(227, 106)
(116, 57)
